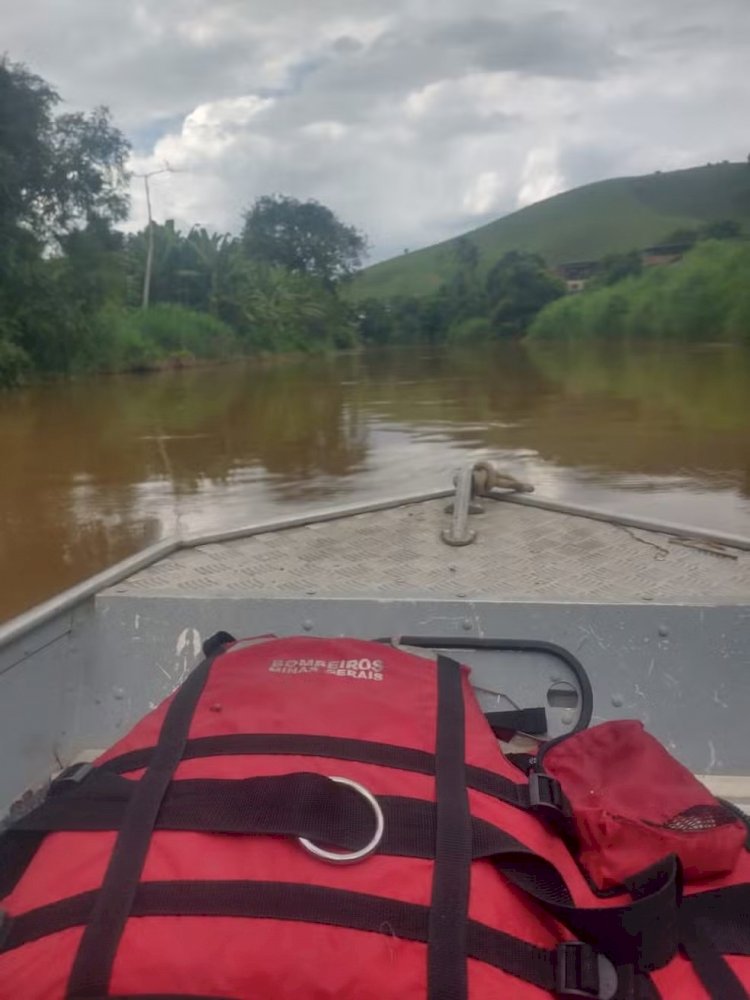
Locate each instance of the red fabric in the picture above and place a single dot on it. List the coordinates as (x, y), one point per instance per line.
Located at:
(629, 796)
(263, 688)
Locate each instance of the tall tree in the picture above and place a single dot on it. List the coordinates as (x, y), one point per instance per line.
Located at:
(59, 175)
(517, 287)
(303, 237)
(56, 172)
(213, 254)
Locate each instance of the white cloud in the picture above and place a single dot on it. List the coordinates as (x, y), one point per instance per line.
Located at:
(484, 193)
(540, 176)
(413, 119)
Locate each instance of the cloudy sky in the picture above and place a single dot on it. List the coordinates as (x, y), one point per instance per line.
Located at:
(413, 119)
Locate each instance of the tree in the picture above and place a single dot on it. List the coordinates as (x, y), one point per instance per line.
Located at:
(26, 104)
(374, 322)
(303, 237)
(517, 287)
(172, 267)
(463, 294)
(467, 255)
(61, 177)
(684, 236)
(56, 172)
(213, 254)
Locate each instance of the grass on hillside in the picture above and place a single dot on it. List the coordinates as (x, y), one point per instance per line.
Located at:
(589, 222)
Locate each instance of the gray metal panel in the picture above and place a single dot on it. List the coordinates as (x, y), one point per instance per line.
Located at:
(521, 554)
(40, 678)
(684, 671)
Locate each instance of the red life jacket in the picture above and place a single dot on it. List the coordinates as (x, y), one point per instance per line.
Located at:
(185, 863)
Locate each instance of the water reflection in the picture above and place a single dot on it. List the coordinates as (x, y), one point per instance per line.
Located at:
(95, 470)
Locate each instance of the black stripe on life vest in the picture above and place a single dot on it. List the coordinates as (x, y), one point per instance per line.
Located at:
(295, 902)
(272, 744)
(92, 966)
(719, 979)
(297, 805)
(332, 747)
(449, 909)
(645, 931)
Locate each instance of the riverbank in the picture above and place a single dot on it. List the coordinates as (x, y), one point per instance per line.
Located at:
(166, 338)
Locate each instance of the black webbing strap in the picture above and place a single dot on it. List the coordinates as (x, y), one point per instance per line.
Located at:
(335, 748)
(280, 744)
(17, 850)
(296, 805)
(321, 905)
(92, 966)
(640, 934)
(714, 972)
(521, 720)
(449, 909)
(643, 931)
(713, 924)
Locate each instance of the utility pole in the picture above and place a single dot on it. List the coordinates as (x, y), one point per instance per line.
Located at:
(166, 169)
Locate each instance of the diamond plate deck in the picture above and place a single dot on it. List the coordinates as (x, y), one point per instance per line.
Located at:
(521, 554)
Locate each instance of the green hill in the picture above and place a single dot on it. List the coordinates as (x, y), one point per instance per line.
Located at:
(612, 216)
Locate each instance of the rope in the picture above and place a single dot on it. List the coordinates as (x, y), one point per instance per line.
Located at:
(488, 477)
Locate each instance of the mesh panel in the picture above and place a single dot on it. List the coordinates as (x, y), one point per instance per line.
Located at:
(699, 818)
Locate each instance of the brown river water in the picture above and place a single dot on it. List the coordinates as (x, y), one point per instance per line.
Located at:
(93, 470)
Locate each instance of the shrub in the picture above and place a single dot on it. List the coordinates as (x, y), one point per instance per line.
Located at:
(475, 328)
(139, 340)
(173, 329)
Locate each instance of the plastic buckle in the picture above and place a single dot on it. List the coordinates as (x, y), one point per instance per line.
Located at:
(582, 972)
(545, 793)
(71, 777)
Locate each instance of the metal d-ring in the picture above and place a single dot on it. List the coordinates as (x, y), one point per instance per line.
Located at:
(352, 856)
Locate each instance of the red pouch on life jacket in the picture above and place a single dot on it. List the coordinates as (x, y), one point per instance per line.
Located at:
(633, 803)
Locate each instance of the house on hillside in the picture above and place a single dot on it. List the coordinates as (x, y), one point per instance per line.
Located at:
(665, 253)
(576, 274)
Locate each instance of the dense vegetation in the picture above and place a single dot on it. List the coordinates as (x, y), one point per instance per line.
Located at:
(78, 294)
(71, 283)
(705, 296)
(468, 307)
(587, 223)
